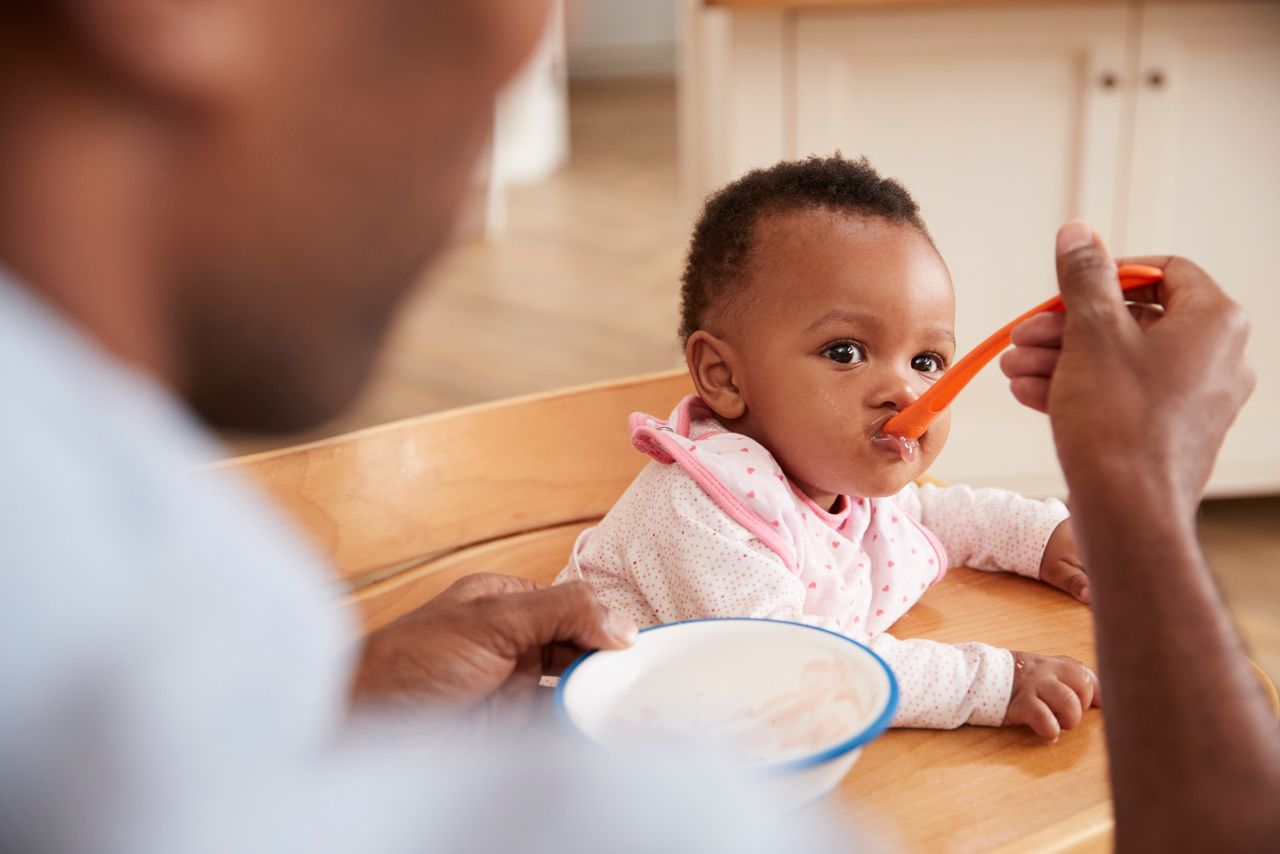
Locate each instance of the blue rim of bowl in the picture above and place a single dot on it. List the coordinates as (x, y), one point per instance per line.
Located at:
(873, 729)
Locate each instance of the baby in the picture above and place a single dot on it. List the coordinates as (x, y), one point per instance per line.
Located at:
(815, 307)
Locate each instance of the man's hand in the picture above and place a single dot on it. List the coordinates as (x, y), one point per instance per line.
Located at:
(1139, 411)
(1050, 693)
(485, 640)
(1133, 406)
(1061, 567)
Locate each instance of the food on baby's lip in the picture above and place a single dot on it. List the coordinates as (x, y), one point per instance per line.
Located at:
(904, 446)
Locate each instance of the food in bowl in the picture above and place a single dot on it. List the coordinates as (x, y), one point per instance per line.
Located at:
(792, 702)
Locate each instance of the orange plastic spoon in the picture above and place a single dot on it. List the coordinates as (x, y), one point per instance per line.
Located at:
(911, 422)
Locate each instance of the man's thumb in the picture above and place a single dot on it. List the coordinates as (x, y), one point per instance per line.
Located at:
(1087, 276)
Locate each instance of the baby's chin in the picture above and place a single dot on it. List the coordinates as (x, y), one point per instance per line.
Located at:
(886, 478)
(874, 473)
(881, 487)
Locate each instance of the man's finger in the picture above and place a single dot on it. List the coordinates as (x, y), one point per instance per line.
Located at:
(471, 587)
(1031, 392)
(1185, 282)
(1042, 330)
(1030, 362)
(567, 613)
(1088, 282)
(557, 656)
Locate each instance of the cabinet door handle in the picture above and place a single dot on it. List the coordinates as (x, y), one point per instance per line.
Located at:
(1156, 78)
(1108, 80)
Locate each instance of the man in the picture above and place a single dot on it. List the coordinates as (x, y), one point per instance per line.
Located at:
(213, 208)
(221, 202)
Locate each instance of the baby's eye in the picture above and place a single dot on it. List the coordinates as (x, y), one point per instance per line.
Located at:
(845, 352)
(928, 363)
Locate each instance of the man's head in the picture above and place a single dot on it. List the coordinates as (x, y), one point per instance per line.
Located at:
(297, 164)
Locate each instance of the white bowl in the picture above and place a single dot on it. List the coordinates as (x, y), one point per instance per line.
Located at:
(791, 703)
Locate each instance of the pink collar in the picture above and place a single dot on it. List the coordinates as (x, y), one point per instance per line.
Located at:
(833, 518)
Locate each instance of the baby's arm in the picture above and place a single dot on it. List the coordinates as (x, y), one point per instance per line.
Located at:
(986, 528)
(942, 686)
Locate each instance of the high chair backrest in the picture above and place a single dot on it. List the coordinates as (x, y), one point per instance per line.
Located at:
(405, 508)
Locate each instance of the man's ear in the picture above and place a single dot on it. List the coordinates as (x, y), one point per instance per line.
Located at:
(713, 365)
(193, 51)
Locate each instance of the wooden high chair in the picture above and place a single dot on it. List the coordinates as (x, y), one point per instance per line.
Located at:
(406, 508)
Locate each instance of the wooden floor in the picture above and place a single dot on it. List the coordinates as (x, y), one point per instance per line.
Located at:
(1242, 540)
(584, 286)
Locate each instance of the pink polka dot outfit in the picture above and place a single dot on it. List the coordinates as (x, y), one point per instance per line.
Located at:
(713, 528)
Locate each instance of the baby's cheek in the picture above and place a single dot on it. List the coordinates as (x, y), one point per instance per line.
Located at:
(932, 443)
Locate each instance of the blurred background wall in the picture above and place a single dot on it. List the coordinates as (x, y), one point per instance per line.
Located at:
(620, 39)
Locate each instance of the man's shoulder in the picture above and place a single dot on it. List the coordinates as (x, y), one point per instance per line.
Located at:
(94, 482)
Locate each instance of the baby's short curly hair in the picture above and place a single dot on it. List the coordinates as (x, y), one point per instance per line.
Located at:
(723, 238)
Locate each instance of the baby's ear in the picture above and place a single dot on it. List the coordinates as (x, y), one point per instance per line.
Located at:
(712, 364)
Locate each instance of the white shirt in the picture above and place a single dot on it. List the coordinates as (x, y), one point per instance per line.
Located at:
(174, 671)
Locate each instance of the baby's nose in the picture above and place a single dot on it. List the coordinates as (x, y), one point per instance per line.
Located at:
(898, 394)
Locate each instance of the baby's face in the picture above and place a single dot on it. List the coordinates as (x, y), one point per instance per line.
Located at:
(847, 321)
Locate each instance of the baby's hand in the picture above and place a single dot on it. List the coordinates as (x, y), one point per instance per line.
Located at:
(1061, 565)
(1050, 693)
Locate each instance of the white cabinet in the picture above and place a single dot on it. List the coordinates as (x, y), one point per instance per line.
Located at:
(1158, 124)
(1205, 183)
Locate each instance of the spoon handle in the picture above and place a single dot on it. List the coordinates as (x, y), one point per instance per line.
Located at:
(916, 418)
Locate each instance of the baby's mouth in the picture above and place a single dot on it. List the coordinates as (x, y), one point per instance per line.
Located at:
(903, 447)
